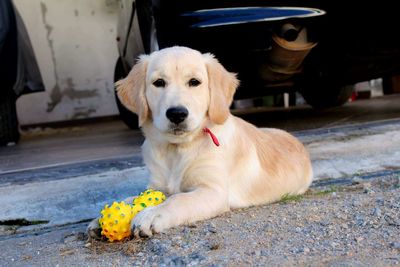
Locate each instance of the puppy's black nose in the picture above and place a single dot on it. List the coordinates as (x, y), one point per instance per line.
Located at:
(177, 114)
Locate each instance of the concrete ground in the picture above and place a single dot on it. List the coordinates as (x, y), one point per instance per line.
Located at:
(352, 224)
(56, 180)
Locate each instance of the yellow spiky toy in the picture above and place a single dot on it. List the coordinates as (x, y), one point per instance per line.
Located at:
(149, 198)
(115, 220)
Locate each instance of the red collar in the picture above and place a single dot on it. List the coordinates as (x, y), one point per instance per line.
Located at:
(213, 137)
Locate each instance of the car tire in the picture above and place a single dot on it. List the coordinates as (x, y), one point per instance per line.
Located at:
(9, 129)
(324, 95)
(127, 116)
(321, 83)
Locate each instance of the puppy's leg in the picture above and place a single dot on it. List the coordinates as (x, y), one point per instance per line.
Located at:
(182, 208)
(94, 230)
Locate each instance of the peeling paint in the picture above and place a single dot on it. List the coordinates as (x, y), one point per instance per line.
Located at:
(110, 2)
(72, 93)
(82, 113)
(55, 93)
(79, 94)
(108, 87)
(55, 97)
(73, 66)
(113, 5)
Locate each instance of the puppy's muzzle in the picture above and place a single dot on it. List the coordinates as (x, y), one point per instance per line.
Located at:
(177, 115)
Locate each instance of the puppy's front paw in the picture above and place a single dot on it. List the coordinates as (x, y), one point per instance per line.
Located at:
(94, 230)
(149, 221)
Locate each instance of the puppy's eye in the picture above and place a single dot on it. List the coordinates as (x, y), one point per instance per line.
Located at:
(159, 83)
(194, 82)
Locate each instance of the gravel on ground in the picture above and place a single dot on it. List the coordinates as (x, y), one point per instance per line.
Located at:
(342, 225)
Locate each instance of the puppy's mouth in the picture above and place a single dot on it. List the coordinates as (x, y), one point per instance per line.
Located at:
(178, 130)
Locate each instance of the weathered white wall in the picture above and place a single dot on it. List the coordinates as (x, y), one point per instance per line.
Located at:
(74, 42)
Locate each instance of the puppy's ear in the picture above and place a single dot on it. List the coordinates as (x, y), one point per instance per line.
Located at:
(131, 90)
(222, 85)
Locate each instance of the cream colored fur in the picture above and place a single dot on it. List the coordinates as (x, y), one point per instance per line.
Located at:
(250, 167)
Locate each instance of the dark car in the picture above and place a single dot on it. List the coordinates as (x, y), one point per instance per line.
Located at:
(317, 48)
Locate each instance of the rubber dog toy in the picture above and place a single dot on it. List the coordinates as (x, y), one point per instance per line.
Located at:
(149, 198)
(115, 220)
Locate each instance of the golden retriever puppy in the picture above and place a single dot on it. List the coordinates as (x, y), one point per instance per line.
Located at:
(205, 159)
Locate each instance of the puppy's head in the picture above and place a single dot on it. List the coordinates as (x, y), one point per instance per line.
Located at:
(177, 89)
